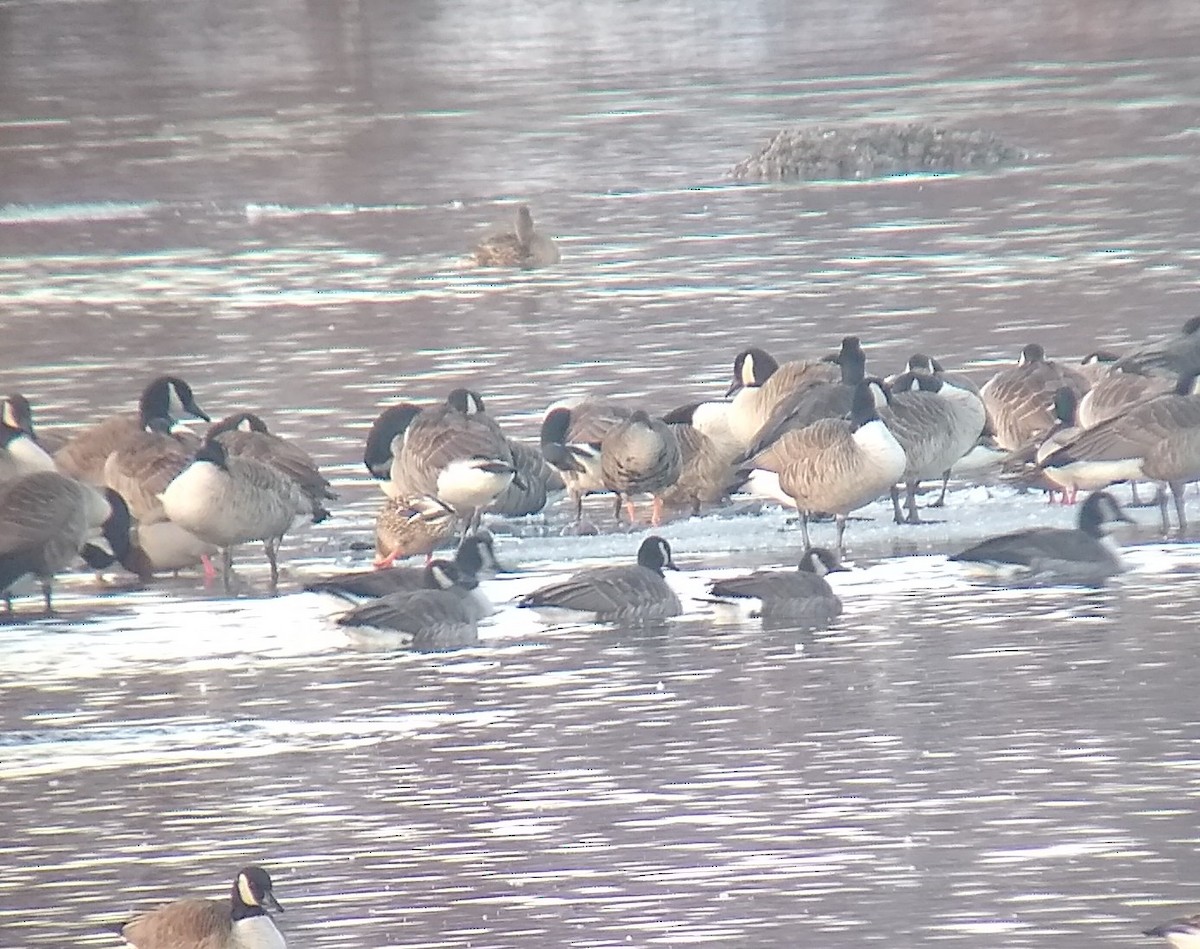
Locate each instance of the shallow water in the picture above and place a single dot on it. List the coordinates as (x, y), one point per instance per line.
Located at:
(276, 201)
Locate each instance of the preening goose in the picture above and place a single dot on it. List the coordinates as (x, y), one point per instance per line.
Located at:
(83, 456)
(634, 593)
(227, 501)
(377, 454)
(238, 923)
(1053, 554)
(571, 439)
(47, 521)
(760, 385)
(707, 474)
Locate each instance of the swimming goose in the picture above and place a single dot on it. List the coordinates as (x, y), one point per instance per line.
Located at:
(936, 424)
(639, 455)
(239, 923)
(1175, 354)
(227, 500)
(475, 558)
(633, 593)
(707, 474)
(47, 520)
(444, 614)
(1018, 398)
(1151, 440)
(833, 466)
(246, 435)
(408, 527)
(522, 247)
(84, 455)
(571, 437)
(1183, 933)
(802, 596)
(377, 455)
(760, 385)
(456, 453)
(1083, 554)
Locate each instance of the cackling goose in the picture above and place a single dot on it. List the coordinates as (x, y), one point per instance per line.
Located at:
(239, 923)
(1083, 554)
(634, 593)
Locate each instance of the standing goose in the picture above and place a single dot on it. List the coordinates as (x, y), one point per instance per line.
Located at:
(760, 385)
(1116, 392)
(522, 247)
(408, 527)
(936, 424)
(246, 435)
(802, 596)
(226, 500)
(634, 593)
(834, 466)
(239, 923)
(143, 465)
(530, 489)
(1018, 398)
(640, 455)
(475, 557)
(455, 453)
(84, 455)
(1053, 554)
(1153, 439)
(571, 439)
(1175, 354)
(707, 474)
(444, 614)
(46, 520)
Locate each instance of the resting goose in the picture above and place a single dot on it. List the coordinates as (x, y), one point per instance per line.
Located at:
(639, 455)
(1018, 398)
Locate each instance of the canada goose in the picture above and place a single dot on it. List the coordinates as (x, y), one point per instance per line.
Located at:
(475, 557)
(1150, 440)
(1097, 365)
(633, 593)
(1053, 554)
(240, 923)
(571, 437)
(639, 455)
(245, 435)
(444, 614)
(227, 500)
(530, 489)
(165, 547)
(706, 474)
(936, 424)
(20, 454)
(46, 520)
(408, 527)
(1183, 933)
(456, 453)
(819, 400)
(1116, 392)
(760, 384)
(377, 454)
(835, 466)
(965, 400)
(1023, 466)
(802, 596)
(1018, 398)
(522, 247)
(84, 455)
(143, 465)
(1175, 354)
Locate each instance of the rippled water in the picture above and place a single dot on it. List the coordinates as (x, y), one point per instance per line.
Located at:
(275, 200)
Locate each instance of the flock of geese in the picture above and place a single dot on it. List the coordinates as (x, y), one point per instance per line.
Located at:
(242, 921)
(821, 436)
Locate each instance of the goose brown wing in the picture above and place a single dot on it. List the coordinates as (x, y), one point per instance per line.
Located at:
(773, 584)
(141, 470)
(281, 455)
(1132, 434)
(1034, 546)
(40, 506)
(603, 590)
(184, 924)
(84, 454)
